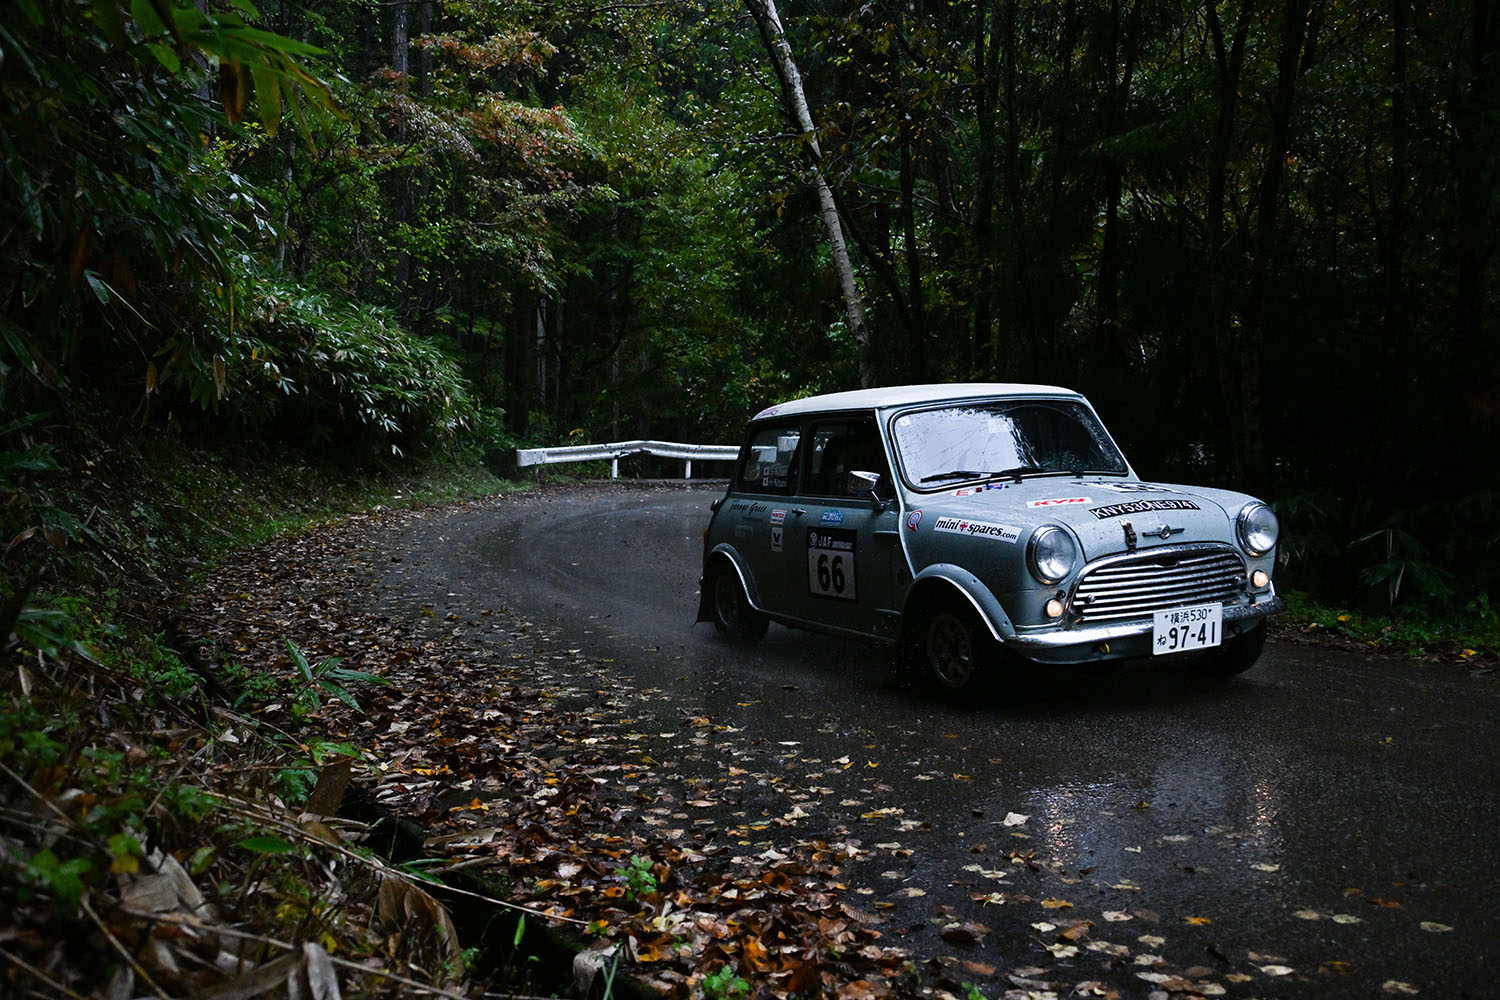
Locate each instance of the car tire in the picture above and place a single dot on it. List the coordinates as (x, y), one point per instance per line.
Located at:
(733, 616)
(954, 649)
(1238, 653)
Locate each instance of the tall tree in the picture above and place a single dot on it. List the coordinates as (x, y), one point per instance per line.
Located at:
(773, 36)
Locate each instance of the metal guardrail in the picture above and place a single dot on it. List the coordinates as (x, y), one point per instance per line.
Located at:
(621, 449)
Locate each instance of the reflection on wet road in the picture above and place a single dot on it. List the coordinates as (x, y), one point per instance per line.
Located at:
(1326, 825)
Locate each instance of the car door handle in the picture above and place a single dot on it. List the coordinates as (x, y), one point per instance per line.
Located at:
(798, 511)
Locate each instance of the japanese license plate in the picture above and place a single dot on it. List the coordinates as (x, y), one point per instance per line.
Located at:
(1183, 629)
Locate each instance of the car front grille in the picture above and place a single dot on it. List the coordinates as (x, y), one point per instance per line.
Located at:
(1172, 576)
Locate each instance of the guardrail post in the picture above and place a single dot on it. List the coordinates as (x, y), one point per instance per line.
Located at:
(688, 472)
(614, 468)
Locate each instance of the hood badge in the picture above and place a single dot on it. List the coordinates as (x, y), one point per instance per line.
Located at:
(1164, 532)
(1129, 536)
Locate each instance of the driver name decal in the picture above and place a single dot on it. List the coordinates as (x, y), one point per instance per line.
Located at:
(958, 526)
(1141, 507)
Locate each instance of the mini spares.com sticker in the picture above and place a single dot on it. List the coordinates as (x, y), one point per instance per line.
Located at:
(982, 529)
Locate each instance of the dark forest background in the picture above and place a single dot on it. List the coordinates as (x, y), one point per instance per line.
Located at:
(1258, 234)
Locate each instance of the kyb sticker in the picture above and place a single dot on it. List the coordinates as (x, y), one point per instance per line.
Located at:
(1058, 502)
(1141, 507)
(956, 526)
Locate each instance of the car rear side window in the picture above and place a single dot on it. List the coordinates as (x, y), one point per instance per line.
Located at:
(769, 463)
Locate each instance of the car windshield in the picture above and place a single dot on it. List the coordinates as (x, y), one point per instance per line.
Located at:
(969, 441)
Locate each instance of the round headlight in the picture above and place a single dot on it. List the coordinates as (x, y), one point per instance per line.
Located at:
(1051, 554)
(1258, 528)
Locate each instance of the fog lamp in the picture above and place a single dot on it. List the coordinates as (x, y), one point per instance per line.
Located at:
(1260, 580)
(1054, 608)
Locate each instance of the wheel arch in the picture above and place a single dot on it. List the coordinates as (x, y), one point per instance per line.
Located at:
(724, 554)
(944, 582)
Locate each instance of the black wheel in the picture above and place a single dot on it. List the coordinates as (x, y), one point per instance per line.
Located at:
(954, 648)
(1237, 654)
(733, 616)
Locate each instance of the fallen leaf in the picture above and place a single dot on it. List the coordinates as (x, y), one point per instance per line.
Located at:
(1117, 916)
(1056, 904)
(1276, 970)
(1398, 987)
(1015, 819)
(1434, 928)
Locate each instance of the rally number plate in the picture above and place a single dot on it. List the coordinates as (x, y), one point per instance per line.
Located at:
(1183, 629)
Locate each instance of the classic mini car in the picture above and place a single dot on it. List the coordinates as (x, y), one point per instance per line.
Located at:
(973, 521)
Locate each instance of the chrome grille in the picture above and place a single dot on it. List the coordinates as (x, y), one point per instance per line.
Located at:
(1171, 576)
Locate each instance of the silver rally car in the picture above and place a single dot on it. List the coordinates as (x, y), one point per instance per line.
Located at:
(971, 521)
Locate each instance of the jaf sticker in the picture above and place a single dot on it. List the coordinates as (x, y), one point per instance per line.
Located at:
(830, 563)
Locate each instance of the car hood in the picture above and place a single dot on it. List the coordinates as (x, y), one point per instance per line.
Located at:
(1096, 510)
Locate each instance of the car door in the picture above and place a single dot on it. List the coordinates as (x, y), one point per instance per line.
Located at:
(843, 549)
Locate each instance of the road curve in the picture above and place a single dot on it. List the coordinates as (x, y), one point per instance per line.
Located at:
(1326, 825)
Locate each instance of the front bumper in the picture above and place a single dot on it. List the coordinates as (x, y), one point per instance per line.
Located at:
(1087, 644)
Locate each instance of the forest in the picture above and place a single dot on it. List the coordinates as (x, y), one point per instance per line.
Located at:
(258, 255)
(1258, 234)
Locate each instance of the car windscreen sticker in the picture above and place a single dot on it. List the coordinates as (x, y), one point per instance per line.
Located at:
(969, 491)
(959, 526)
(1141, 507)
(830, 563)
(1058, 502)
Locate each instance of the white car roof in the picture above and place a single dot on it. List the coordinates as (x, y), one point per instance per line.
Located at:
(908, 395)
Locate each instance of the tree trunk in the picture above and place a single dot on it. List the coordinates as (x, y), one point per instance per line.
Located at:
(917, 328)
(987, 97)
(1227, 66)
(1289, 66)
(771, 33)
(1107, 307)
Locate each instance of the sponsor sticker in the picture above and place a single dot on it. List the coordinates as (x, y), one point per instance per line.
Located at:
(913, 519)
(778, 517)
(1058, 502)
(1141, 507)
(1114, 487)
(833, 517)
(983, 529)
(969, 491)
(830, 563)
(776, 537)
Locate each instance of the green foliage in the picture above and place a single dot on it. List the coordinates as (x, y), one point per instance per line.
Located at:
(639, 881)
(723, 984)
(325, 677)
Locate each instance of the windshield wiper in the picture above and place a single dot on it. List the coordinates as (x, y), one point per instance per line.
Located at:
(1019, 471)
(957, 474)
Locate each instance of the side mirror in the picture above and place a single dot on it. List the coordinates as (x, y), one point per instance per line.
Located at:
(865, 484)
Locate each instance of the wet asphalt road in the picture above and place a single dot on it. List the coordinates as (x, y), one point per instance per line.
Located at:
(1330, 814)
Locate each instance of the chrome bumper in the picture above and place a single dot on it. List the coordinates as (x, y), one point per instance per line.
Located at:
(1101, 642)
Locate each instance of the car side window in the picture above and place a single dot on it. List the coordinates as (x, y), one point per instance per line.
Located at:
(769, 463)
(838, 449)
